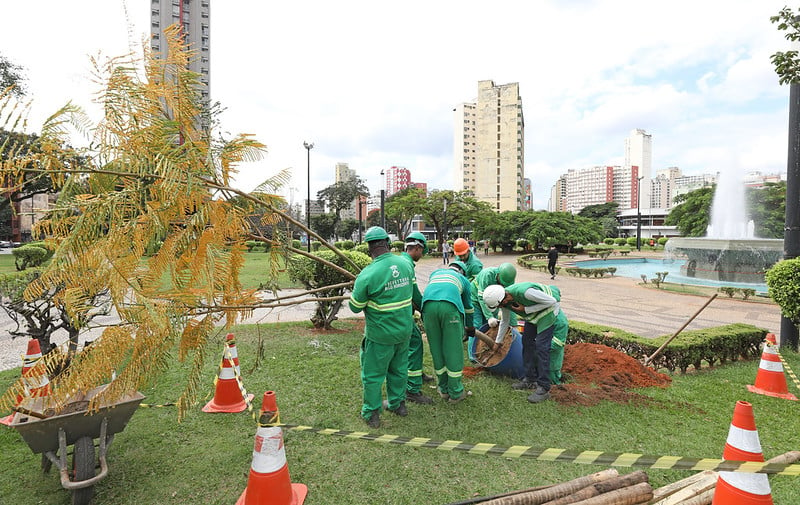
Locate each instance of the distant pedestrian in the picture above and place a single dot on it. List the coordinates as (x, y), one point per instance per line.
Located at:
(445, 253)
(486, 248)
(552, 259)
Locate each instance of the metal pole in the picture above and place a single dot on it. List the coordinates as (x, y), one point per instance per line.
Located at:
(791, 230)
(308, 147)
(638, 214)
(444, 222)
(360, 219)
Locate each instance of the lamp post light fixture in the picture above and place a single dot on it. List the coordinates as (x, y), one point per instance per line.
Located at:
(308, 147)
(383, 198)
(638, 214)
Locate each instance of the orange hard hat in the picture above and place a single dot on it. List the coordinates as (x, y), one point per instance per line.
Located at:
(460, 246)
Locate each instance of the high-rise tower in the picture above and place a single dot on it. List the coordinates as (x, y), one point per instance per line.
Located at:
(489, 146)
(195, 20)
(639, 153)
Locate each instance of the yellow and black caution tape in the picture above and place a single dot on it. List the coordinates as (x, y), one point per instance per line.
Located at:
(785, 365)
(565, 455)
(227, 355)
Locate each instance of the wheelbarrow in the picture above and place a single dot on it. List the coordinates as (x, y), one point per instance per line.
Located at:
(50, 436)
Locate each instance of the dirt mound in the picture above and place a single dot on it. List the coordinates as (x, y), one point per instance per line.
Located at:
(596, 372)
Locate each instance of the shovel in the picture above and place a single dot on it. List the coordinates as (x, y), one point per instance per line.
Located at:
(489, 341)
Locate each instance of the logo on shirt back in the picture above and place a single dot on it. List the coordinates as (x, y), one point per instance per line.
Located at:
(395, 271)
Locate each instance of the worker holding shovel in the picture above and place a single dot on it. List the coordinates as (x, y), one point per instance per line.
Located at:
(504, 274)
(538, 305)
(447, 314)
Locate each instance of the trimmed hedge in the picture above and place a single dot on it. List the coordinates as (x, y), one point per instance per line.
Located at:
(689, 348)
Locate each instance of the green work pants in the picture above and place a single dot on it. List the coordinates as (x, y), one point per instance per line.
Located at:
(556, 361)
(444, 326)
(415, 349)
(383, 363)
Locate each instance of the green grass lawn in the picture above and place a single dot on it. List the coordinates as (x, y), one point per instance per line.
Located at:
(205, 459)
(7, 264)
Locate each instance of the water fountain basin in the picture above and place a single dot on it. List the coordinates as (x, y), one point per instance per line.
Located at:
(727, 260)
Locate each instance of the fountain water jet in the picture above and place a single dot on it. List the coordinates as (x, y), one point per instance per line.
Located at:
(729, 252)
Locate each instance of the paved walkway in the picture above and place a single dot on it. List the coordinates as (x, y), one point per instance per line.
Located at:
(618, 302)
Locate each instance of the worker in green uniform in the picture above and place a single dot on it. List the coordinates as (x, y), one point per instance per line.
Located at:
(447, 314)
(465, 255)
(538, 305)
(504, 274)
(384, 290)
(416, 246)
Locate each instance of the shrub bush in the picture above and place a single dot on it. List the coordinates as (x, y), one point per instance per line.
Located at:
(783, 281)
(27, 256)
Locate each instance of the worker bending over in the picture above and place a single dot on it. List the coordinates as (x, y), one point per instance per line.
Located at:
(538, 305)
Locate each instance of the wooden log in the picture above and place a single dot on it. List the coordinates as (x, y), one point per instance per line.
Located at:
(556, 491)
(786, 458)
(667, 490)
(601, 487)
(632, 495)
(690, 491)
(704, 498)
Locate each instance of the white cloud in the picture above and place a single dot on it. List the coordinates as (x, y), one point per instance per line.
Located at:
(374, 84)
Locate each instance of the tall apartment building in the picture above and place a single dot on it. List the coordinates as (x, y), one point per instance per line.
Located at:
(195, 20)
(396, 179)
(600, 184)
(343, 173)
(639, 153)
(558, 196)
(489, 146)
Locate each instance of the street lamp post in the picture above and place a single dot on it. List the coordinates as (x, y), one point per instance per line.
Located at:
(638, 214)
(383, 198)
(444, 222)
(308, 147)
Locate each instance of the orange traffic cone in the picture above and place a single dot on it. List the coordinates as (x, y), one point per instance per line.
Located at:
(739, 488)
(34, 378)
(269, 409)
(770, 379)
(269, 482)
(228, 395)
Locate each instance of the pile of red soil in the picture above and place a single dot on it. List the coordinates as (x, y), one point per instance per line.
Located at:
(593, 373)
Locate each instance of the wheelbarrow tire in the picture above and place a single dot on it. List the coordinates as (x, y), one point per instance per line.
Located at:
(83, 465)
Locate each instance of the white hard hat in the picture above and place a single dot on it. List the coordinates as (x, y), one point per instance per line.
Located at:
(493, 295)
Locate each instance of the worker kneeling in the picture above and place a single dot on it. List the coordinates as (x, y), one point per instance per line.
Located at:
(537, 305)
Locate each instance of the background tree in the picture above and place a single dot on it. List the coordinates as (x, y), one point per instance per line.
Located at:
(461, 207)
(11, 75)
(401, 208)
(559, 228)
(341, 195)
(346, 228)
(691, 212)
(324, 225)
(606, 215)
(766, 206)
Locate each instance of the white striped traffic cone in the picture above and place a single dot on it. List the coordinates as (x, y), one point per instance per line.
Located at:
(269, 482)
(770, 379)
(228, 395)
(34, 377)
(739, 488)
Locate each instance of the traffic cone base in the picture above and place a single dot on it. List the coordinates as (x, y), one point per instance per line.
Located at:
(742, 489)
(269, 482)
(735, 488)
(770, 379)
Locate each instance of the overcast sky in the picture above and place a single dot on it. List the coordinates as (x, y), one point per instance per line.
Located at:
(374, 84)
